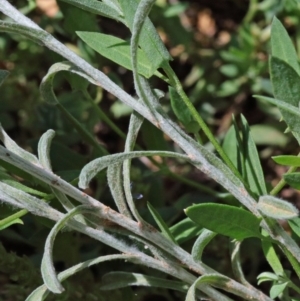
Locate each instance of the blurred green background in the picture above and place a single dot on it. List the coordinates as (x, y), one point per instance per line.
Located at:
(220, 51)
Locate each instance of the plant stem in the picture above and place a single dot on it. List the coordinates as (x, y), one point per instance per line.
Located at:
(177, 85)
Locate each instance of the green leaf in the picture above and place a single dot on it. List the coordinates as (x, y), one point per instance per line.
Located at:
(224, 219)
(272, 257)
(76, 19)
(281, 45)
(3, 75)
(47, 268)
(264, 134)
(254, 172)
(295, 225)
(267, 276)
(115, 280)
(94, 167)
(117, 50)
(287, 160)
(185, 230)
(182, 112)
(4, 225)
(277, 289)
(42, 292)
(202, 241)
(293, 179)
(276, 208)
(149, 40)
(285, 82)
(230, 147)
(44, 149)
(97, 7)
(284, 106)
(161, 224)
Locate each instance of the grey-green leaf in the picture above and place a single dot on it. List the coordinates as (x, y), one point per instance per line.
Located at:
(115, 280)
(115, 183)
(42, 292)
(281, 45)
(94, 167)
(276, 208)
(202, 241)
(212, 279)
(47, 268)
(117, 50)
(44, 149)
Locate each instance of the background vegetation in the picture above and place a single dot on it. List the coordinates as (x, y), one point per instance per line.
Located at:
(220, 51)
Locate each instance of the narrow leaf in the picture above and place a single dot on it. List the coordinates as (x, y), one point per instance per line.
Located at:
(272, 257)
(47, 268)
(115, 280)
(230, 147)
(149, 40)
(282, 46)
(3, 75)
(287, 160)
(42, 292)
(224, 219)
(94, 167)
(295, 225)
(44, 149)
(254, 172)
(293, 179)
(97, 7)
(211, 279)
(4, 225)
(115, 183)
(185, 230)
(284, 106)
(135, 124)
(116, 50)
(276, 208)
(202, 241)
(161, 223)
(182, 112)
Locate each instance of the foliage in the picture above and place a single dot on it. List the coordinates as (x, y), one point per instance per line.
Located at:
(243, 209)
